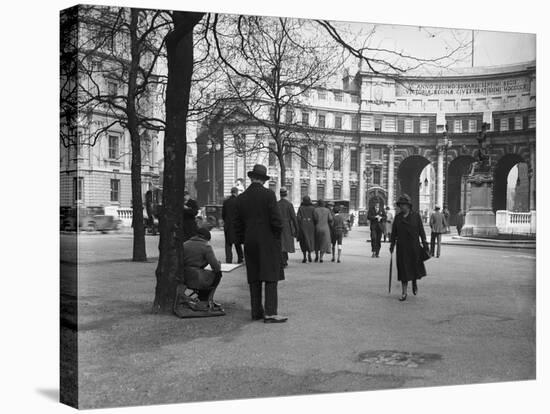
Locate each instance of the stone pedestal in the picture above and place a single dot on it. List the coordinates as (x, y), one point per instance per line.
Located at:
(480, 220)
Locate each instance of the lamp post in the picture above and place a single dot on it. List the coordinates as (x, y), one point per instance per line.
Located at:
(213, 147)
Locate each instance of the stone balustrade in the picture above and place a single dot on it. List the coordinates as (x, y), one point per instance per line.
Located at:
(509, 222)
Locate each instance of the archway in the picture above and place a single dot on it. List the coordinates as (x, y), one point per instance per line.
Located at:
(500, 185)
(517, 192)
(408, 176)
(456, 186)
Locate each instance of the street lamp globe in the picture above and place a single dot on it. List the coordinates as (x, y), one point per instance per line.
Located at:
(217, 146)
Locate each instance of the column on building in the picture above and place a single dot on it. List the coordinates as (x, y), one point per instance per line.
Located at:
(229, 164)
(329, 185)
(313, 174)
(296, 182)
(440, 175)
(391, 174)
(532, 175)
(346, 168)
(361, 176)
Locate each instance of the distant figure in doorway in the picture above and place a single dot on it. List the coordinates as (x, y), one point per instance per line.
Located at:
(338, 228)
(387, 224)
(407, 229)
(306, 228)
(229, 209)
(258, 226)
(438, 225)
(351, 220)
(322, 217)
(376, 216)
(290, 227)
(446, 214)
(190, 211)
(459, 221)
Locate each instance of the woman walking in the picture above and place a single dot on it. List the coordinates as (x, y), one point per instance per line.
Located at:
(407, 229)
(306, 228)
(322, 217)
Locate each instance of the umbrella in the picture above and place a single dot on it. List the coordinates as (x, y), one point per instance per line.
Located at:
(391, 264)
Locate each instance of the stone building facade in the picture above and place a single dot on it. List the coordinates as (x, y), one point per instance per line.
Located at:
(380, 133)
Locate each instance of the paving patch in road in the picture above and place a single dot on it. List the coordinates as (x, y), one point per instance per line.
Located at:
(398, 358)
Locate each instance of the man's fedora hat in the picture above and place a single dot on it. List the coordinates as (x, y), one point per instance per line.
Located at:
(437, 208)
(404, 199)
(283, 191)
(259, 171)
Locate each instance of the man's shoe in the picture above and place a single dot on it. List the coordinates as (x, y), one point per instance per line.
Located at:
(332, 260)
(240, 261)
(338, 261)
(304, 261)
(275, 319)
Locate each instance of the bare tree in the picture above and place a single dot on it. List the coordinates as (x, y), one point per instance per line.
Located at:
(118, 63)
(271, 65)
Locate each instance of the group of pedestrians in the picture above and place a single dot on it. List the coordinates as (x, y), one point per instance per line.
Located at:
(267, 228)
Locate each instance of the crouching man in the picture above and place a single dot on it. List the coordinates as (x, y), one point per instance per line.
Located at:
(197, 254)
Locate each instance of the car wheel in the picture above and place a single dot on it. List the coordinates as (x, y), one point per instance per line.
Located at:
(91, 226)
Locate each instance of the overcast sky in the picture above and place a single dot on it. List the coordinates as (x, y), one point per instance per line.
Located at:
(490, 48)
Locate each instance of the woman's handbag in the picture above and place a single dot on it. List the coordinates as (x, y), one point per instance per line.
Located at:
(424, 252)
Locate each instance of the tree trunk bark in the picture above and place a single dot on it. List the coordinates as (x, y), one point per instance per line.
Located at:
(179, 46)
(282, 167)
(139, 253)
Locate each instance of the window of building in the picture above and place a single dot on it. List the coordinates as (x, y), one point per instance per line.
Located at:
(304, 190)
(354, 123)
(511, 123)
(320, 158)
(353, 199)
(289, 116)
(375, 154)
(112, 88)
(338, 96)
(472, 125)
(337, 159)
(408, 126)
(457, 126)
(272, 155)
(378, 124)
(321, 121)
(337, 192)
(400, 125)
(416, 126)
(504, 124)
(77, 188)
(338, 122)
(465, 125)
(376, 176)
(114, 146)
(322, 94)
(353, 160)
(496, 126)
(304, 158)
(320, 191)
(115, 190)
(532, 120)
(424, 126)
(354, 99)
(288, 157)
(525, 122)
(305, 118)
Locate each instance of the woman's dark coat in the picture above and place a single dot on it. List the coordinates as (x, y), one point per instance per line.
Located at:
(258, 225)
(406, 232)
(189, 219)
(290, 227)
(306, 227)
(229, 210)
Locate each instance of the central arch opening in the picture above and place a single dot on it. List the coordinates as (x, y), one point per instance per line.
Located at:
(456, 186)
(506, 183)
(409, 178)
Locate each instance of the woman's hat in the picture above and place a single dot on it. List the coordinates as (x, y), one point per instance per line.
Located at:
(283, 191)
(404, 199)
(259, 171)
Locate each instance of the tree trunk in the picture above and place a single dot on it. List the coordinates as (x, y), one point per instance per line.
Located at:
(139, 254)
(179, 46)
(282, 167)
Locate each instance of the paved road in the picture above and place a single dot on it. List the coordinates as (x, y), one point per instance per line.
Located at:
(472, 322)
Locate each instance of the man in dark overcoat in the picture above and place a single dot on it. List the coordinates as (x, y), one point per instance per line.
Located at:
(258, 226)
(290, 227)
(377, 217)
(228, 216)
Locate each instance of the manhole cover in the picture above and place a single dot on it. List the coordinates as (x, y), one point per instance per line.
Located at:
(398, 358)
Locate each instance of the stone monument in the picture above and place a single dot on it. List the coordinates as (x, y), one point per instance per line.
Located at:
(480, 219)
